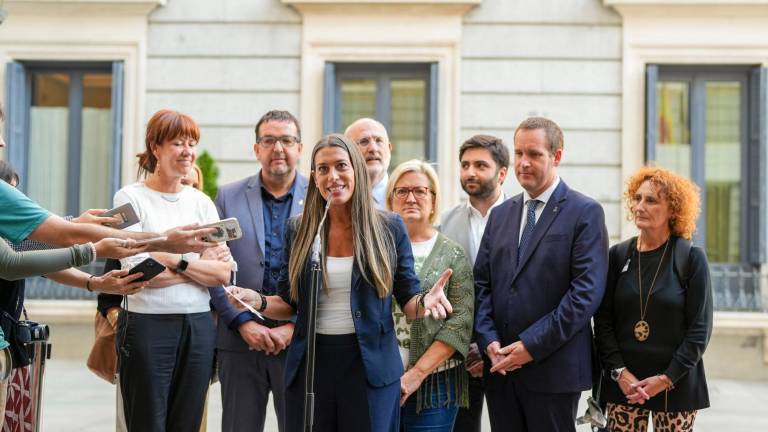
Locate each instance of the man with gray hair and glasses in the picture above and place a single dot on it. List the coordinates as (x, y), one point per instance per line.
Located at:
(372, 140)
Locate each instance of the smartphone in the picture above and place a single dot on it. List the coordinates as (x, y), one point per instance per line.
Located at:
(226, 230)
(149, 267)
(125, 213)
(151, 240)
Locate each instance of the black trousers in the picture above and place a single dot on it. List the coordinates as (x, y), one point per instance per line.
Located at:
(246, 379)
(344, 401)
(470, 419)
(165, 367)
(513, 407)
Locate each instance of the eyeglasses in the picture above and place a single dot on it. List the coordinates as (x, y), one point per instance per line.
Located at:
(286, 141)
(366, 141)
(419, 192)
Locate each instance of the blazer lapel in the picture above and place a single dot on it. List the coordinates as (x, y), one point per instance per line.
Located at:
(551, 210)
(517, 212)
(299, 194)
(255, 205)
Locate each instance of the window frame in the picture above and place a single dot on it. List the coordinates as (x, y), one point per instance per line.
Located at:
(19, 91)
(696, 76)
(383, 73)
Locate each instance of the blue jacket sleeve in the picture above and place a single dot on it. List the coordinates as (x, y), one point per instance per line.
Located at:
(405, 284)
(231, 316)
(485, 329)
(589, 270)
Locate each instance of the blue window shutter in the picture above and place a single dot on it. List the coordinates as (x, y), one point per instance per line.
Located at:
(17, 118)
(115, 165)
(330, 104)
(757, 142)
(651, 78)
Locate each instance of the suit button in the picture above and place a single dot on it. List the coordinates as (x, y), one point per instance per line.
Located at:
(358, 314)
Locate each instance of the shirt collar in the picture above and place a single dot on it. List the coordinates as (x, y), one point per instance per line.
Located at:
(290, 194)
(499, 201)
(546, 195)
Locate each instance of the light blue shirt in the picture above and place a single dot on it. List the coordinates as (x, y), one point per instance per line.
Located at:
(19, 215)
(379, 192)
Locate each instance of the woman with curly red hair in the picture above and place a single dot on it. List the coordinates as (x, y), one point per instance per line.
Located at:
(656, 317)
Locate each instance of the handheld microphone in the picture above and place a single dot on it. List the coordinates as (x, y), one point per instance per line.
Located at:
(315, 257)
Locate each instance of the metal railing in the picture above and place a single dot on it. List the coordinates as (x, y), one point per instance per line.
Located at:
(736, 287)
(41, 288)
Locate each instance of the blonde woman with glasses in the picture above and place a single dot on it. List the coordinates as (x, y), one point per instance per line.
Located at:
(435, 383)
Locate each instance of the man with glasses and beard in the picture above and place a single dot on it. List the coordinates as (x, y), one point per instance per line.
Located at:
(484, 163)
(251, 352)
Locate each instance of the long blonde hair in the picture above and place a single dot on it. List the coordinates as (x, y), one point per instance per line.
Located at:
(372, 243)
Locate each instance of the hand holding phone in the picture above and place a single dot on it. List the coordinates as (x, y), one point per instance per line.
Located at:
(226, 230)
(124, 213)
(149, 267)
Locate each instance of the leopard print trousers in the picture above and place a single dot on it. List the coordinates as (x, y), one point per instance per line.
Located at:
(623, 418)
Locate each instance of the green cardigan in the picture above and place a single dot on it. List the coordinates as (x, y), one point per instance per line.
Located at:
(456, 330)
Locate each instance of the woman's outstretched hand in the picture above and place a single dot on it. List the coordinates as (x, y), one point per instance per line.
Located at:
(436, 304)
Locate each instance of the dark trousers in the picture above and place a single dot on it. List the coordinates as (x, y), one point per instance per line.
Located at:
(513, 407)
(470, 418)
(247, 377)
(165, 366)
(344, 401)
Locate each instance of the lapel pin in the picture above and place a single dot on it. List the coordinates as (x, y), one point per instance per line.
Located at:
(554, 210)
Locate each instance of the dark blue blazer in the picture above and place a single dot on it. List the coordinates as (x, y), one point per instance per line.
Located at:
(547, 300)
(242, 199)
(372, 315)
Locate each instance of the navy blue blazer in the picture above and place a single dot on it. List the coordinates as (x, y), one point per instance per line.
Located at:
(242, 199)
(547, 300)
(372, 316)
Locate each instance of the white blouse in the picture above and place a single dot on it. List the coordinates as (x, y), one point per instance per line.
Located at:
(334, 312)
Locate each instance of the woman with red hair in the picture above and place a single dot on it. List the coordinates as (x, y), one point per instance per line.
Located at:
(166, 335)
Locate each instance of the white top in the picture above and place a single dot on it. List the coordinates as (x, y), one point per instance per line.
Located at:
(159, 212)
(334, 312)
(477, 224)
(543, 198)
(421, 251)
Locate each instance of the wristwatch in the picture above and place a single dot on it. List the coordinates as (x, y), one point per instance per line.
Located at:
(183, 263)
(616, 373)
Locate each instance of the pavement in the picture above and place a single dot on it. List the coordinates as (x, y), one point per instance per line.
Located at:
(74, 399)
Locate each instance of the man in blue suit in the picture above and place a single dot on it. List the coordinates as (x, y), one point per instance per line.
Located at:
(540, 275)
(251, 352)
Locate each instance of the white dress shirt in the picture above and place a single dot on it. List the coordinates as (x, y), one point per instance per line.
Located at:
(543, 198)
(477, 224)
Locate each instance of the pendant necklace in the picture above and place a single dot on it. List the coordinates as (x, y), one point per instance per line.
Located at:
(642, 329)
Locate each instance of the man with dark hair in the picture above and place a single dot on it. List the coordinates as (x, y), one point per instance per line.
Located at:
(540, 275)
(484, 162)
(251, 352)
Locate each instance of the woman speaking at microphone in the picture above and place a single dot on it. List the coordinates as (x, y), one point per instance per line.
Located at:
(366, 259)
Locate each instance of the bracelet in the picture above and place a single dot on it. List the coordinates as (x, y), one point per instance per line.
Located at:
(93, 249)
(88, 283)
(421, 300)
(667, 381)
(263, 306)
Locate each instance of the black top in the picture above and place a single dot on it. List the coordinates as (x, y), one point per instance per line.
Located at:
(680, 322)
